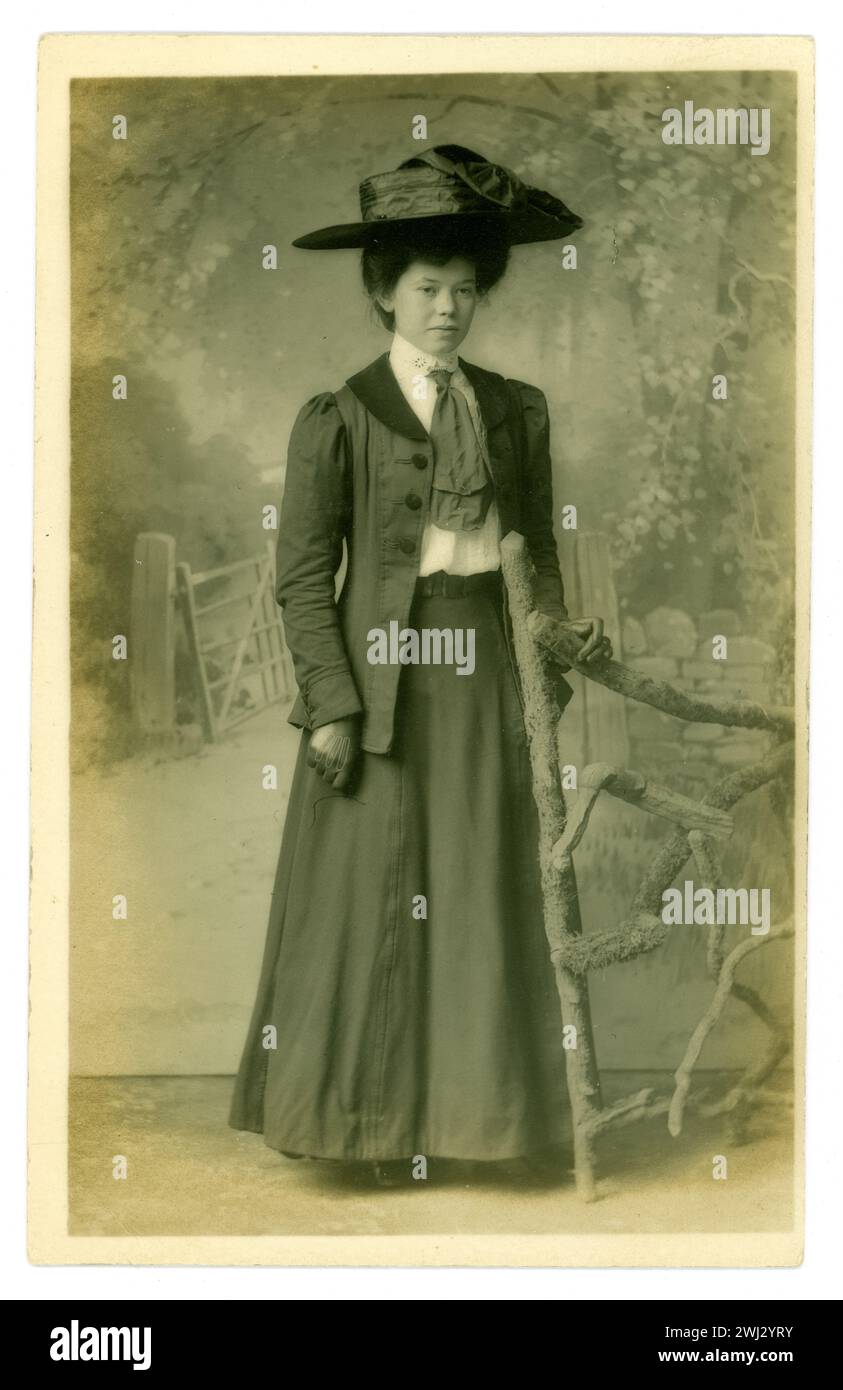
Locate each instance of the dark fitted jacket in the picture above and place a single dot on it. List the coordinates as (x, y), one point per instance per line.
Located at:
(359, 469)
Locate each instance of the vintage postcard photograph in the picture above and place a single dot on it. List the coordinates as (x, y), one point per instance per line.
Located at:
(420, 686)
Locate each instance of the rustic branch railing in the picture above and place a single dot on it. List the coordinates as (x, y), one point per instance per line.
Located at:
(539, 639)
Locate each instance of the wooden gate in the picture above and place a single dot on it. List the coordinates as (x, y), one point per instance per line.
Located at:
(236, 639)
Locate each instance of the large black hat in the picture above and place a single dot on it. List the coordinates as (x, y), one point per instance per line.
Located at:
(448, 183)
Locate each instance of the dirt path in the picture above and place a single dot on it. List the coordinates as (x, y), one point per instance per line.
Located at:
(192, 843)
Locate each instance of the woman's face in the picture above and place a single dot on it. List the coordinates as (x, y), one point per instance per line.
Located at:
(434, 304)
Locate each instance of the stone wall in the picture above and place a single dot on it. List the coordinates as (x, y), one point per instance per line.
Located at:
(671, 645)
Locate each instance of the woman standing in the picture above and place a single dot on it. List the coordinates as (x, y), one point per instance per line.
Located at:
(406, 1004)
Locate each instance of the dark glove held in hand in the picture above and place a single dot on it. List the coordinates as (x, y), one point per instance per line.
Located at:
(333, 751)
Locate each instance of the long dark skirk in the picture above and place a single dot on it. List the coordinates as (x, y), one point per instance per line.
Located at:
(397, 1036)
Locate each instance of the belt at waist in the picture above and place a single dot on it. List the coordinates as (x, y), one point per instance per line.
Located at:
(456, 585)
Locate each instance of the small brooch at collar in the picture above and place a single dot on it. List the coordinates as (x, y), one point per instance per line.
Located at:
(424, 362)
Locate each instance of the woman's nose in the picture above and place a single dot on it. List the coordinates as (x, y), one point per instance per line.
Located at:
(447, 304)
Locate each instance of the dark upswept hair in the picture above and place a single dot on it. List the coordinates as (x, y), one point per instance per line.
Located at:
(391, 251)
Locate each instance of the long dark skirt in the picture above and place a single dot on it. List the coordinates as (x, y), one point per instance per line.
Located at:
(401, 1030)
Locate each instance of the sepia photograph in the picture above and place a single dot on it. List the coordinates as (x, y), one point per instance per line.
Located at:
(422, 554)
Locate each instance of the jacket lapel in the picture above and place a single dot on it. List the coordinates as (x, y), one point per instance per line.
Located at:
(490, 391)
(376, 386)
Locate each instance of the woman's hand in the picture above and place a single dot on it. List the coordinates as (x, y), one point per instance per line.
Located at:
(589, 631)
(334, 749)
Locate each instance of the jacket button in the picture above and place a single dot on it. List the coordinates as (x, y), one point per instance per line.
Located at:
(419, 460)
(413, 501)
(407, 546)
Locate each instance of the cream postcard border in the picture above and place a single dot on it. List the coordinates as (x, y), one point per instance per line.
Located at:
(62, 57)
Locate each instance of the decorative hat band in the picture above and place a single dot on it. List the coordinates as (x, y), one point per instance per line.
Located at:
(431, 185)
(400, 194)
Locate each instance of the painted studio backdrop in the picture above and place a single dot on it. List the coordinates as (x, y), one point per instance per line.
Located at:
(684, 503)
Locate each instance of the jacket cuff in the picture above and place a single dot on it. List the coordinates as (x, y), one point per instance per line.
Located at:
(552, 608)
(331, 697)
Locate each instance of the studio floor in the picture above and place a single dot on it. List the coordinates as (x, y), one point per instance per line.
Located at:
(188, 1173)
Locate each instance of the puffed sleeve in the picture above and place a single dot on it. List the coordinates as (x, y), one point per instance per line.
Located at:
(315, 515)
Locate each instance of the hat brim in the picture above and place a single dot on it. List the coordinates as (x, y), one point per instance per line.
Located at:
(520, 228)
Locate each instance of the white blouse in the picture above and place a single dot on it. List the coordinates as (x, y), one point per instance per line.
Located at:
(457, 552)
